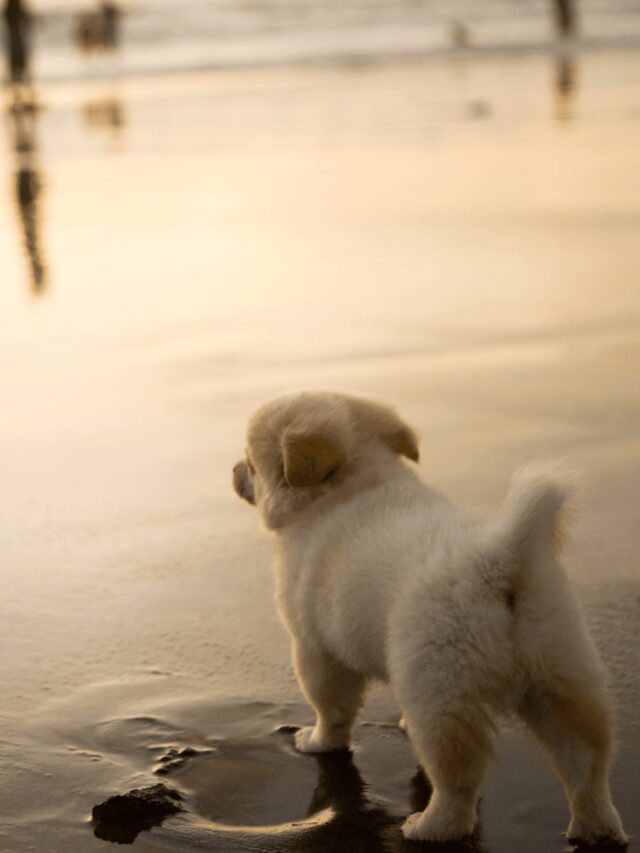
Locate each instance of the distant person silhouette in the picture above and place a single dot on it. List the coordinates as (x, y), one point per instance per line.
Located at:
(18, 23)
(100, 28)
(566, 17)
(111, 19)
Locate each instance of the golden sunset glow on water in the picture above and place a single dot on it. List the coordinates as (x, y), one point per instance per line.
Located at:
(457, 236)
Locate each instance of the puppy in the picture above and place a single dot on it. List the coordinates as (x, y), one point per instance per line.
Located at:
(379, 577)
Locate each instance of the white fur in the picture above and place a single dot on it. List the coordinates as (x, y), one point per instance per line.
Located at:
(380, 577)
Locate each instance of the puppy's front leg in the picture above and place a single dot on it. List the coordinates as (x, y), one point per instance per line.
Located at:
(336, 694)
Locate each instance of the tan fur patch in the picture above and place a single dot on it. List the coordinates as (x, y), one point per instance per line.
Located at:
(310, 460)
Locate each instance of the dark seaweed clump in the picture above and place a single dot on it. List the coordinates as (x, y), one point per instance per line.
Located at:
(122, 817)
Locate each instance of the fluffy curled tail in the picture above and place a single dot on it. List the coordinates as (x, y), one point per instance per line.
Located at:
(531, 517)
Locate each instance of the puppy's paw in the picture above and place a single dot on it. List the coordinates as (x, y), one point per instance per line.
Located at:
(410, 828)
(600, 823)
(431, 825)
(609, 831)
(308, 739)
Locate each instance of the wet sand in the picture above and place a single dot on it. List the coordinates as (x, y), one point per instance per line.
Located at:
(457, 237)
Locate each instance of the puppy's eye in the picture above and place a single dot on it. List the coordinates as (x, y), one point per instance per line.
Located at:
(330, 473)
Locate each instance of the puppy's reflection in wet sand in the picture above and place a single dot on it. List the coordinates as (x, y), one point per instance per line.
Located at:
(106, 116)
(361, 825)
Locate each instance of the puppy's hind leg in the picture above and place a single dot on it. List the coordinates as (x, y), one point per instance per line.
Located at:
(336, 694)
(573, 722)
(454, 748)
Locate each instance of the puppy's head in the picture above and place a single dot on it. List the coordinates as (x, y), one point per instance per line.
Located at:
(307, 445)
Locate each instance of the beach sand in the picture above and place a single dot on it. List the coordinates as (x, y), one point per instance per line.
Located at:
(458, 237)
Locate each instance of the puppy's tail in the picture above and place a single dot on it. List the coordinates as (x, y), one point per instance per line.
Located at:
(531, 520)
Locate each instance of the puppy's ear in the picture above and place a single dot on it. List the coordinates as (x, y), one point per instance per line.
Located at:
(310, 460)
(382, 422)
(402, 441)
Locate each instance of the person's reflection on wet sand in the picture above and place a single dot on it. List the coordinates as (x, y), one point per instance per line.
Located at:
(105, 113)
(565, 86)
(22, 117)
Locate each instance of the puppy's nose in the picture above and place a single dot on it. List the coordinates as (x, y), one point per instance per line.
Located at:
(239, 476)
(241, 482)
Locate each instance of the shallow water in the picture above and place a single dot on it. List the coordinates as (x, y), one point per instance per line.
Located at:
(162, 35)
(457, 237)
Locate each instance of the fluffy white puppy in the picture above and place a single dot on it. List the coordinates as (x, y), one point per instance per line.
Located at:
(379, 577)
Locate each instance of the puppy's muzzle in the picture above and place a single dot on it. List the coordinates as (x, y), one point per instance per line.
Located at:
(242, 482)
